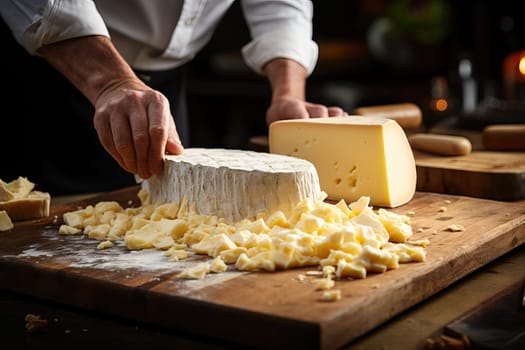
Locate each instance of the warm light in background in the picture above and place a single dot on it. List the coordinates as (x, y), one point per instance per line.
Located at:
(521, 65)
(441, 104)
(514, 74)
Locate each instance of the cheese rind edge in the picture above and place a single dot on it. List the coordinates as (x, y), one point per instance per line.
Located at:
(234, 184)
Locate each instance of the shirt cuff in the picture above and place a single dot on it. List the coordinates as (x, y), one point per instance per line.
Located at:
(279, 44)
(60, 21)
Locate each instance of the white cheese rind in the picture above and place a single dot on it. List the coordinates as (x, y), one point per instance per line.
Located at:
(234, 184)
(354, 155)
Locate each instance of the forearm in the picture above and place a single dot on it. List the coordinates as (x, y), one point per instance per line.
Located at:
(91, 63)
(287, 79)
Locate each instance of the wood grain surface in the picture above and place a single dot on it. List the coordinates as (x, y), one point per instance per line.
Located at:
(480, 174)
(259, 309)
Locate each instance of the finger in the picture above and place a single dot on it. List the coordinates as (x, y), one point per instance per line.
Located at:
(123, 140)
(317, 110)
(103, 127)
(336, 111)
(173, 144)
(159, 125)
(138, 120)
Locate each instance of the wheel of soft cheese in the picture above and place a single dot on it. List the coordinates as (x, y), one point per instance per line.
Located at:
(354, 155)
(234, 184)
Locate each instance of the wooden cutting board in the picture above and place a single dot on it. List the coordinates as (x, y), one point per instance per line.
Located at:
(480, 174)
(258, 309)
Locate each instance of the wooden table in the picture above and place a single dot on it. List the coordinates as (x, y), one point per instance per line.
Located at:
(409, 330)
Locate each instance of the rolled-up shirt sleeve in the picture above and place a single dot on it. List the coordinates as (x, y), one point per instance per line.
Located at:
(35, 23)
(279, 29)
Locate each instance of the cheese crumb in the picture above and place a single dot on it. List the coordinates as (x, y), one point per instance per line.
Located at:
(331, 295)
(69, 230)
(455, 228)
(301, 277)
(324, 283)
(105, 245)
(5, 221)
(194, 273)
(314, 273)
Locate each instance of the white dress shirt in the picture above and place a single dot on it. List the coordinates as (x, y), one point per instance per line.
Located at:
(163, 34)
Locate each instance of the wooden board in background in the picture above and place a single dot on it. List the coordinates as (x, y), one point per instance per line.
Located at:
(480, 174)
(261, 310)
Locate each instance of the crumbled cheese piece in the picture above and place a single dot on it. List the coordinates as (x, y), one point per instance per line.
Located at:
(217, 265)
(455, 228)
(69, 230)
(196, 272)
(324, 283)
(328, 271)
(15, 189)
(314, 273)
(331, 295)
(5, 221)
(420, 242)
(105, 245)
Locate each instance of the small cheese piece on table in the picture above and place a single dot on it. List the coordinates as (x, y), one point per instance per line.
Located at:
(234, 184)
(354, 156)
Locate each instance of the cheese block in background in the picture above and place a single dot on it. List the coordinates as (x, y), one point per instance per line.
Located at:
(234, 184)
(354, 156)
(33, 206)
(21, 202)
(407, 115)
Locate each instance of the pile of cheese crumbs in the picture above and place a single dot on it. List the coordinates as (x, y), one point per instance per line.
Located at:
(343, 240)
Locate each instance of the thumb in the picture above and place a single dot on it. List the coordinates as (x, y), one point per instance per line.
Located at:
(173, 144)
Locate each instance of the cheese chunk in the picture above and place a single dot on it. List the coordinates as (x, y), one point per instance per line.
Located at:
(15, 189)
(34, 205)
(5, 221)
(234, 184)
(354, 156)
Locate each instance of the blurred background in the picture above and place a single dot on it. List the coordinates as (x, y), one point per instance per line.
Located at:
(459, 61)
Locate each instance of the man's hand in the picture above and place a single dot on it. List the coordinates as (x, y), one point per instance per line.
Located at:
(135, 125)
(288, 80)
(133, 121)
(294, 108)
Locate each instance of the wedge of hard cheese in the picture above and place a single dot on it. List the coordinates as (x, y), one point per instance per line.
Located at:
(21, 202)
(354, 156)
(234, 184)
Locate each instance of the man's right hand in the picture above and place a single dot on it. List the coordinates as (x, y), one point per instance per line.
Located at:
(133, 121)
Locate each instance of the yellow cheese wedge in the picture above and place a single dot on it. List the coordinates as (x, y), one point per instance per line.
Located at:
(354, 156)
